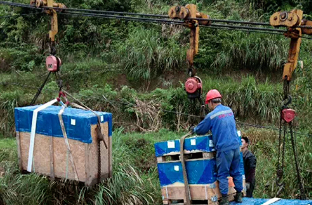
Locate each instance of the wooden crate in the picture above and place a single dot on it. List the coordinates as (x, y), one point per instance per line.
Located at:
(174, 193)
(51, 157)
(206, 194)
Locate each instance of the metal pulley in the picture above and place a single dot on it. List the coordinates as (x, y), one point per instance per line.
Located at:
(53, 63)
(288, 115)
(193, 87)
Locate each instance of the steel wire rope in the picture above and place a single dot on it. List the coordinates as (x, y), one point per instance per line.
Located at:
(18, 15)
(108, 12)
(214, 26)
(252, 29)
(137, 14)
(231, 21)
(124, 17)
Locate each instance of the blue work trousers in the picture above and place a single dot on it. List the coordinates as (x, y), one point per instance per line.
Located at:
(228, 165)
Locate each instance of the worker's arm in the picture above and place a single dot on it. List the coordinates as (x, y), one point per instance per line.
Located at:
(204, 126)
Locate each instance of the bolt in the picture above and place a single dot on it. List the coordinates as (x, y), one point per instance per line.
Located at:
(275, 18)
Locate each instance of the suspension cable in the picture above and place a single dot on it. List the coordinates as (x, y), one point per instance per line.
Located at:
(107, 12)
(232, 21)
(155, 18)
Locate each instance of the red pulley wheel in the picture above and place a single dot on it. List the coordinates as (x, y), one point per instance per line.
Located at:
(288, 115)
(192, 85)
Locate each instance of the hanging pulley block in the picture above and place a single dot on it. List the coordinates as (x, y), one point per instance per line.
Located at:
(193, 87)
(53, 63)
(288, 115)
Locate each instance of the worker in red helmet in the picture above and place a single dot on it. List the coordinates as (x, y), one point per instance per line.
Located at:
(220, 121)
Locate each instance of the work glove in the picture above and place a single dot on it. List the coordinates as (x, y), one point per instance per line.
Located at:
(191, 129)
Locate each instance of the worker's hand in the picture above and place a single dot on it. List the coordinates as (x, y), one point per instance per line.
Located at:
(191, 129)
(247, 185)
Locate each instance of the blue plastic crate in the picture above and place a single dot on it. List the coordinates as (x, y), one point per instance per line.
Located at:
(197, 143)
(201, 171)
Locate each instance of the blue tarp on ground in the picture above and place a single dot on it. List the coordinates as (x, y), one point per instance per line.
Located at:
(77, 122)
(253, 201)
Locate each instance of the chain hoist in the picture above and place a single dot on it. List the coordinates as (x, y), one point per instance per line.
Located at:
(291, 20)
(193, 85)
(53, 63)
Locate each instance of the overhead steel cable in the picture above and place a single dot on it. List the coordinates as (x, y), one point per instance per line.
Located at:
(108, 12)
(231, 21)
(246, 27)
(120, 15)
(176, 22)
(17, 15)
(125, 17)
(240, 29)
(19, 5)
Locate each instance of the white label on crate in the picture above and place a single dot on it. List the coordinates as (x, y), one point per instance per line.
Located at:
(102, 118)
(193, 141)
(211, 143)
(73, 122)
(170, 144)
(239, 133)
(176, 168)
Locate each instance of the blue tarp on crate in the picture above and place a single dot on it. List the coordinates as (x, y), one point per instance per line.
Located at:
(201, 171)
(200, 143)
(77, 122)
(253, 201)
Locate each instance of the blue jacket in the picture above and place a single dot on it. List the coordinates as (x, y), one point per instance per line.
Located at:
(222, 124)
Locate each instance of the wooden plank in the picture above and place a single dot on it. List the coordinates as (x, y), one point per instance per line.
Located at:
(18, 142)
(110, 162)
(161, 159)
(87, 164)
(52, 175)
(209, 192)
(209, 155)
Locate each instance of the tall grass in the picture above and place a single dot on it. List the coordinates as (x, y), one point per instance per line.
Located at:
(144, 54)
(256, 52)
(264, 144)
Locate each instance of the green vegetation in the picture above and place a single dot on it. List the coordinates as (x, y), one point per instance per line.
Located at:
(135, 176)
(134, 71)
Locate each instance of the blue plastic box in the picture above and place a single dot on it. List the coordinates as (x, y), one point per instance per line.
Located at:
(201, 171)
(193, 144)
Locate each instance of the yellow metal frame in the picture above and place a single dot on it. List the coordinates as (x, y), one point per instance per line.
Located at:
(50, 11)
(290, 20)
(187, 13)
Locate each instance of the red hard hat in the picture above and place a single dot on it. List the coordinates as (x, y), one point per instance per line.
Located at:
(212, 94)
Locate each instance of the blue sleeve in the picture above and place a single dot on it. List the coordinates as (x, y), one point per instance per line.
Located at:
(204, 126)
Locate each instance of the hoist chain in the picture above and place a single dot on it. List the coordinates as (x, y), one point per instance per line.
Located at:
(293, 143)
(286, 123)
(39, 90)
(52, 48)
(193, 117)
